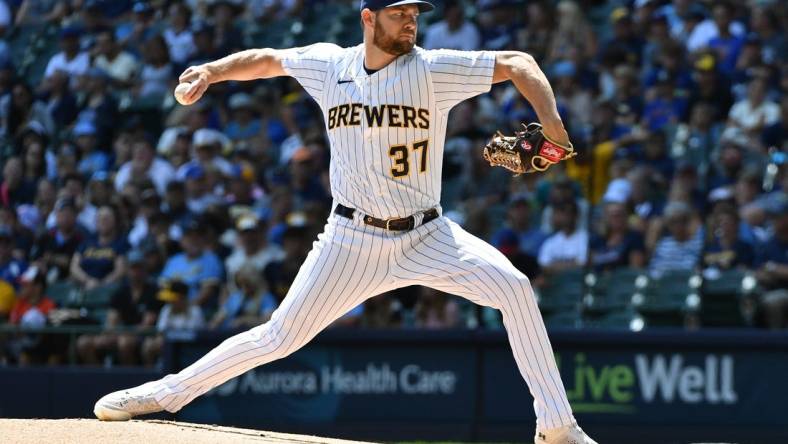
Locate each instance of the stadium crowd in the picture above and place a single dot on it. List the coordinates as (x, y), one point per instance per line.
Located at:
(122, 208)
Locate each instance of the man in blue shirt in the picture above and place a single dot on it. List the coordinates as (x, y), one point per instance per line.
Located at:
(200, 269)
(519, 225)
(772, 272)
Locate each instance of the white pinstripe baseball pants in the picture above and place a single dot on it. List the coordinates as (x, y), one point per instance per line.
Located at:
(351, 262)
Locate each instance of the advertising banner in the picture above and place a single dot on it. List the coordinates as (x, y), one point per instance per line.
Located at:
(340, 383)
(622, 379)
(656, 387)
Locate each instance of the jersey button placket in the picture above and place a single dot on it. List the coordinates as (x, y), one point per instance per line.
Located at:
(368, 85)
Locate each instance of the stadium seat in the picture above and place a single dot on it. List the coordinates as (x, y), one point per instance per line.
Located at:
(626, 319)
(721, 298)
(64, 293)
(98, 297)
(613, 290)
(563, 292)
(666, 300)
(564, 319)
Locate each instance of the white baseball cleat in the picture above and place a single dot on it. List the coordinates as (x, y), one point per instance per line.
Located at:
(570, 434)
(125, 404)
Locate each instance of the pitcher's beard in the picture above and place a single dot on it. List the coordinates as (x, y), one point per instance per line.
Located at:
(388, 44)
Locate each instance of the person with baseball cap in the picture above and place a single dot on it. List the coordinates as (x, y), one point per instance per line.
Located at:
(384, 104)
(176, 315)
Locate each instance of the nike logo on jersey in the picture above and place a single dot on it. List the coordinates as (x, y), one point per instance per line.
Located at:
(395, 116)
(344, 81)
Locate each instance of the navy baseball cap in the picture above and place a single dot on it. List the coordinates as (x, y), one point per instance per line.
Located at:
(377, 5)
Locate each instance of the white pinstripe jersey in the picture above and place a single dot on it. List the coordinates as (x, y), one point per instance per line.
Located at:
(387, 129)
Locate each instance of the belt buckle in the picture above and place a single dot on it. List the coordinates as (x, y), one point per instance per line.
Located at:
(388, 221)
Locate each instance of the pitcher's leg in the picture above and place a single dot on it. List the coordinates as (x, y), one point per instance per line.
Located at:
(447, 258)
(345, 268)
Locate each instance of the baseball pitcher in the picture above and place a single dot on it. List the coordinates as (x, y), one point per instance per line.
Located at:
(385, 104)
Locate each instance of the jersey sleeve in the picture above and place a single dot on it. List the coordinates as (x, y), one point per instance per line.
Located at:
(459, 75)
(311, 66)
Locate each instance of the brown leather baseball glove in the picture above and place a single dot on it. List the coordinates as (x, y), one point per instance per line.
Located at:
(527, 151)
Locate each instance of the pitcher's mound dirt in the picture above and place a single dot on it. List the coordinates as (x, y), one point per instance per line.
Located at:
(92, 431)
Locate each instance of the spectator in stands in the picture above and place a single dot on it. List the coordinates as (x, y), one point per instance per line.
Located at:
(705, 31)
(204, 43)
(32, 302)
(519, 226)
(437, 310)
(60, 100)
(134, 34)
(656, 158)
(244, 124)
(70, 59)
(568, 247)
(21, 236)
(776, 134)
(765, 23)
(92, 159)
(133, 304)
(19, 109)
(199, 269)
(101, 260)
(710, 87)
(666, 107)
(252, 248)
(227, 36)
(54, 249)
(72, 186)
(573, 37)
(723, 249)
(199, 195)
(534, 38)
(754, 113)
(175, 206)
(145, 165)
(570, 94)
(13, 189)
(561, 191)
(726, 43)
(243, 190)
(772, 271)
(98, 105)
(34, 154)
(150, 205)
(680, 247)
(453, 32)
(616, 245)
(626, 44)
(177, 34)
(280, 274)
(249, 304)
(157, 70)
(178, 315)
(694, 142)
(30, 310)
(10, 268)
(302, 181)
(119, 64)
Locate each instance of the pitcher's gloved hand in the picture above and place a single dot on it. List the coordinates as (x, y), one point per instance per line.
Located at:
(527, 151)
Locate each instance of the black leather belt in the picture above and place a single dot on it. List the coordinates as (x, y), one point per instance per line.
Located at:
(402, 224)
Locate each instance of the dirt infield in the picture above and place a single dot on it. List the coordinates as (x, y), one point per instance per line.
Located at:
(91, 431)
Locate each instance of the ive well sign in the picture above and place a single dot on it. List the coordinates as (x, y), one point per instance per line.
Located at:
(596, 386)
